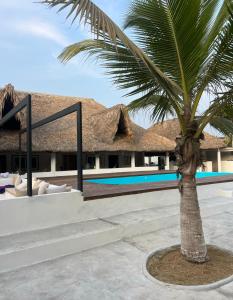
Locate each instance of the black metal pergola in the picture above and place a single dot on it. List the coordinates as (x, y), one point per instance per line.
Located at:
(26, 103)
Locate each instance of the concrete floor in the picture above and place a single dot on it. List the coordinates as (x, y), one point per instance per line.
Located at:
(114, 272)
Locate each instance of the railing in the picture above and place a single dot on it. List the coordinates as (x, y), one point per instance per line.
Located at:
(27, 103)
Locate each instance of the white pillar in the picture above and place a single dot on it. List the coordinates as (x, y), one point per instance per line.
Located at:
(219, 161)
(133, 160)
(167, 164)
(97, 162)
(53, 163)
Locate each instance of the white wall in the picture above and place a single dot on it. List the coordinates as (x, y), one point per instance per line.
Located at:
(208, 167)
(37, 212)
(227, 166)
(153, 159)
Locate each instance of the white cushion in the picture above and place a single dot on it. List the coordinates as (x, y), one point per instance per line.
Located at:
(43, 187)
(36, 184)
(23, 192)
(22, 186)
(17, 180)
(20, 193)
(52, 189)
(68, 188)
(6, 181)
(5, 175)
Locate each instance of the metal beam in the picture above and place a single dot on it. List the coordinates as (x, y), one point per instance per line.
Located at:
(29, 146)
(74, 108)
(54, 117)
(13, 112)
(79, 147)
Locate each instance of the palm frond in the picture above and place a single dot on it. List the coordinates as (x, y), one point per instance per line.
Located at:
(103, 27)
(223, 125)
(127, 72)
(174, 34)
(220, 107)
(181, 49)
(217, 69)
(159, 106)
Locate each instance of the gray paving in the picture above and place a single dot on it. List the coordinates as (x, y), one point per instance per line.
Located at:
(114, 272)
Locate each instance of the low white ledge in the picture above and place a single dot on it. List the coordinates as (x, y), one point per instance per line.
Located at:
(37, 212)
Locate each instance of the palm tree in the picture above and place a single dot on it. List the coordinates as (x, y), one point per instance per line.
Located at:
(183, 49)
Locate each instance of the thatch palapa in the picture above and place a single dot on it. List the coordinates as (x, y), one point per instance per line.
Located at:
(171, 129)
(103, 129)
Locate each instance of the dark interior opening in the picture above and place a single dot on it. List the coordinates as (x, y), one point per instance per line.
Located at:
(122, 128)
(3, 163)
(113, 161)
(161, 162)
(69, 162)
(13, 123)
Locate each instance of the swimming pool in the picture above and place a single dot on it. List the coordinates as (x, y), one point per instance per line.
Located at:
(151, 178)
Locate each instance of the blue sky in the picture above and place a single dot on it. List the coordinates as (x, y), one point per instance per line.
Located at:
(33, 35)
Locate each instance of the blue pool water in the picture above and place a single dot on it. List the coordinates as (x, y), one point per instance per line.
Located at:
(151, 178)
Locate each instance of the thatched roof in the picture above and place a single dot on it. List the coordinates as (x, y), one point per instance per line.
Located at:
(171, 129)
(103, 129)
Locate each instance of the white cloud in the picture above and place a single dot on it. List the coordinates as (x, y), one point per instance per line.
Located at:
(76, 66)
(41, 29)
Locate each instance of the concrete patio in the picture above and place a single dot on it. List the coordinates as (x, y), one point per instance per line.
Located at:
(115, 271)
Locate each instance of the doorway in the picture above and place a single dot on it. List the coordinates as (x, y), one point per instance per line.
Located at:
(113, 161)
(3, 164)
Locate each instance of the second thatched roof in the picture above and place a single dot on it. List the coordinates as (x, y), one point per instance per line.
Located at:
(171, 129)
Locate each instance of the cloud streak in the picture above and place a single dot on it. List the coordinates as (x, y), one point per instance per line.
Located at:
(43, 30)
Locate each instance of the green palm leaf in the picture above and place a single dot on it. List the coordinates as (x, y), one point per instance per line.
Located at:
(223, 125)
(181, 49)
(103, 27)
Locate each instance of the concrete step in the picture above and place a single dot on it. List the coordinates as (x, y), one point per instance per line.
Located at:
(28, 248)
(145, 221)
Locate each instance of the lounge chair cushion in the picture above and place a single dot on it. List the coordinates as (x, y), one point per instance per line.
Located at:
(68, 188)
(36, 184)
(6, 181)
(52, 189)
(5, 175)
(17, 193)
(22, 186)
(42, 187)
(17, 180)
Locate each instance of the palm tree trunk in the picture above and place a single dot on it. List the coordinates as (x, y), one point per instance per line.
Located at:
(193, 245)
(188, 155)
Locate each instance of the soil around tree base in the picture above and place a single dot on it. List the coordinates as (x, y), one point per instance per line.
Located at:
(170, 266)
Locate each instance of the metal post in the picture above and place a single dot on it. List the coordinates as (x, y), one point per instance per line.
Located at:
(29, 146)
(20, 153)
(79, 148)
